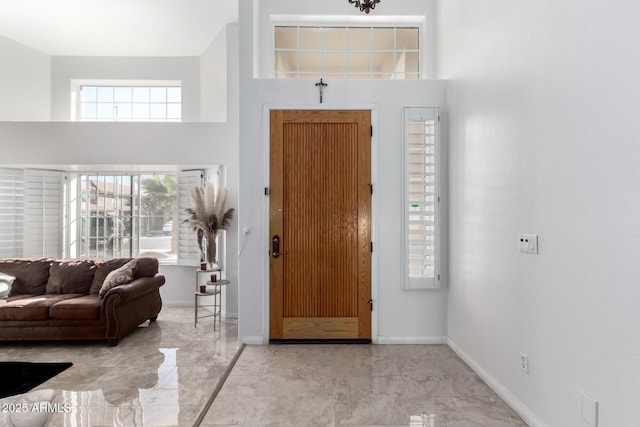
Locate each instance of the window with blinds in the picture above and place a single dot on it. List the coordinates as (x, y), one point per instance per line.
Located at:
(188, 252)
(421, 198)
(11, 213)
(104, 215)
(43, 204)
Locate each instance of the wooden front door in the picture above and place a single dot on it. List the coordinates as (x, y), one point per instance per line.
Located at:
(320, 224)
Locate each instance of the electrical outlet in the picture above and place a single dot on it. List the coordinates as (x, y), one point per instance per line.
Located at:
(528, 243)
(524, 363)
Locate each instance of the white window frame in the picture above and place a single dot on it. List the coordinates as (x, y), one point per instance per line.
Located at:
(345, 21)
(134, 239)
(432, 282)
(76, 94)
(395, 74)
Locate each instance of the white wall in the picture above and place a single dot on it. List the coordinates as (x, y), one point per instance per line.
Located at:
(402, 316)
(213, 80)
(25, 83)
(543, 107)
(67, 68)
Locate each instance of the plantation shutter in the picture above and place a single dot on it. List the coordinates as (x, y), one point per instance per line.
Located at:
(421, 198)
(188, 252)
(11, 213)
(43, 200)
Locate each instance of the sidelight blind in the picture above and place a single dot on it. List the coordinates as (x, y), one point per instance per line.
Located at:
(421, 198)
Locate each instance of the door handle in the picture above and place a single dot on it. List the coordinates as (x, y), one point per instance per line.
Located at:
(275, 246)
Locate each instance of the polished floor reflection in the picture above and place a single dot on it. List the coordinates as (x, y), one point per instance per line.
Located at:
(162, 374)
(356, 385)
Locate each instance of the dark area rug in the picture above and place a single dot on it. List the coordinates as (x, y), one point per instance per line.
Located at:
(20, 377)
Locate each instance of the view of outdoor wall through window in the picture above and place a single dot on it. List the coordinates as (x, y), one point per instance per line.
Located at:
(347, 52)
(128, 215)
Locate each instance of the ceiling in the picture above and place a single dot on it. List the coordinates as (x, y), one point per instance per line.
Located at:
(116, 27)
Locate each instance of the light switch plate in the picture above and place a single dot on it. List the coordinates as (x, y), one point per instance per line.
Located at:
(589, 409)
(528, 243)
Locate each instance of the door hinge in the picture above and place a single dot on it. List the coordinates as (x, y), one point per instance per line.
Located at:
(266, 191)
(371, 188)
(371, 130)
(371, 304)
(438, 277)
(438, 118)
(371, 246)
(438, 199)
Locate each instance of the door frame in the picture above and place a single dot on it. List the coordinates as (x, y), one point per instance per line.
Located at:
(266, 147)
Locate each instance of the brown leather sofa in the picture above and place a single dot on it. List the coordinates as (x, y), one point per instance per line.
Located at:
(58, 299)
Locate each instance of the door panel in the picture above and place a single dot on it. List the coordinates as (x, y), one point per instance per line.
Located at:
(320, 211)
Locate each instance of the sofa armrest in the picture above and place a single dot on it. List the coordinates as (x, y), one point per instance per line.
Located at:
(127, 306)
(141, 286)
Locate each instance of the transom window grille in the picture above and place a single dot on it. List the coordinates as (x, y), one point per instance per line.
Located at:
(109, 215)
(347, 52)
(421, 198)
(130, 104)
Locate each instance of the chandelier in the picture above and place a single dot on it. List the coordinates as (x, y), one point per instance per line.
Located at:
(365, 5)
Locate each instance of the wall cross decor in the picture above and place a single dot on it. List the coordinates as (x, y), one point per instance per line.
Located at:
(321, 85)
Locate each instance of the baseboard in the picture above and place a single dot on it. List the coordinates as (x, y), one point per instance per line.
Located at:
(411, 340)
(516, 404)
(252, 340)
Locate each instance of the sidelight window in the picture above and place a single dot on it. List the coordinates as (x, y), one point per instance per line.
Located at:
(421, 198)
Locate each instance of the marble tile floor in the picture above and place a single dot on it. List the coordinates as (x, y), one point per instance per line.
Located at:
(356, 385)
(162, 374)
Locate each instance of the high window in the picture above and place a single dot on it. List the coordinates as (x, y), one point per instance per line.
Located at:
(421, 198)
(131, 103)
(347, 52)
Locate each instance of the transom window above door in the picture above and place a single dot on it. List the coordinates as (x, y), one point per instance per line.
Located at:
(346, 52)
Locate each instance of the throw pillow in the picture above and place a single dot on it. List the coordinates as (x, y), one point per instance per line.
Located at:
(70, 277)
(104, 268)
(117, 277)
(5, 285)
